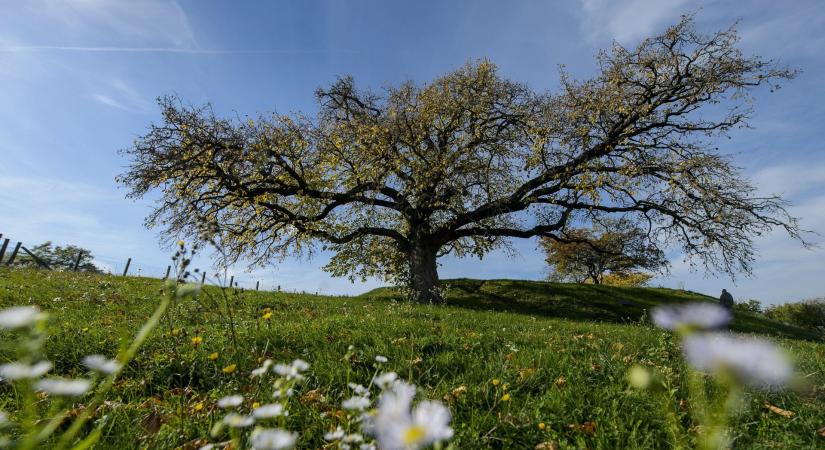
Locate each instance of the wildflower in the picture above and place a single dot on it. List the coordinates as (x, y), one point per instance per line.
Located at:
(505, 398)
(288, 393)
(262, 370)
(496, 381)
(181, 243)
(198, 406)
(356, 403)
(197, 340)
(272, 439)
(385, 380)
(102, 364)
(175, 332)
(255, 405)
(236, 420)
(292, 371)
(270, 410)
(63, 386)
(380, 359)
(267, 315)
(692, 316)
(212, 356)
(230, 401)
(751, 361)
(19, 317)
(230, 368)
(397, 428)
(18, 370)
(542, 426)
(359, 389)
(335, 435)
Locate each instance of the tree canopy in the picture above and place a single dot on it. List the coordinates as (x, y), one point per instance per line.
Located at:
(59, 258)
(391, 180)
(612, 247)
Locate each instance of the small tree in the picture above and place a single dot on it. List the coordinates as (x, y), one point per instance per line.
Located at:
(390, 182)
(615, 247)
(59, 258)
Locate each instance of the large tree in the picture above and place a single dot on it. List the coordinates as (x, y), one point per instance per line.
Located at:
(390, 181)
(616, 247)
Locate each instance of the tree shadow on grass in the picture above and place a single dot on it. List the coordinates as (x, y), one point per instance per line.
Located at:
(585, 302)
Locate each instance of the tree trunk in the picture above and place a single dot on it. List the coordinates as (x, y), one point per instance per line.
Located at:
(424, 274)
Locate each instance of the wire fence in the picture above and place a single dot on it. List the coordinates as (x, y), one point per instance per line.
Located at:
(12, 251)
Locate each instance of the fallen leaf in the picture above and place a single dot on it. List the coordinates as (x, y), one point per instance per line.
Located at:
(586, 428)
(312, 396)
(777, 410)
(560, 382)
(821, 432)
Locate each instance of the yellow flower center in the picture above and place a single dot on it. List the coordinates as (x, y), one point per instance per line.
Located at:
(414, 434)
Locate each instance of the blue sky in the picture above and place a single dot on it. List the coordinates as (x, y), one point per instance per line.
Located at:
(78, 81)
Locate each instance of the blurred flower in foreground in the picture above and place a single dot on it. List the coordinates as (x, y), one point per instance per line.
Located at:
(100, 363)
(230, 401)
(691, 317)
(18, 317)
(18, 370)
(272, 439)
(397, 428)
(751, 361)
(63, 386)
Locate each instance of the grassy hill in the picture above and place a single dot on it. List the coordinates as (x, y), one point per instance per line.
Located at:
(562, 350)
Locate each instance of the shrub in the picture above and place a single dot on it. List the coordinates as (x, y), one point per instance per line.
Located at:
(808, 314)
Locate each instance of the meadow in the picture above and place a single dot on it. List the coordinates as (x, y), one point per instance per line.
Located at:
(519, 364)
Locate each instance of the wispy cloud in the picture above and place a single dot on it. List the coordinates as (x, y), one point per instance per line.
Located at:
(628, 20)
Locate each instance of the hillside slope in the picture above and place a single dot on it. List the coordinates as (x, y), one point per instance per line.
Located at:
(585, 302)
(563, 367)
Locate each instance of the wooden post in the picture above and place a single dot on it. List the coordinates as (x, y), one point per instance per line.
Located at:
(14, 253)
(232, 281)
(39, 261)
(168, 269)
(3, 249)
(126, 270)
(257, 284)
(77, 261)
(203, 277)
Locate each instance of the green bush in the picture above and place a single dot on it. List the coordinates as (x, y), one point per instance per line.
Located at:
(808, 314)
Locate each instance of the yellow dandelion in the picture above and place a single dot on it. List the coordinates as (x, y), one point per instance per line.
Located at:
(256, 405)
(197, 340)
(267, 315)
(542, 426)
(198, 406)
(230, 368)
(213, 356)
(505, 398)
(496, 381)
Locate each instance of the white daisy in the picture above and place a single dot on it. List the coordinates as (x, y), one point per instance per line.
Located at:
(19, 370)
(397, 428)
(356, 403)
(381, 359)
(754, 362)
(691, 316)
(19, 317)
(359, 389)
(339, 433)
(386, 380)
(270, 410)
(291, 371)
(63, 386)
(230, 401)
(236, 420)
(272, 439)
(262, 370)
(100, 363)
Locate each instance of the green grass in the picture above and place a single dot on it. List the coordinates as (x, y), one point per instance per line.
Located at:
(527, 334)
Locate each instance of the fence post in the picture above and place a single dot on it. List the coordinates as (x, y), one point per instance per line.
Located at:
(257, 284)
(39, 261)
(77, 261)
(203, 277)
(13, 253)
(232, 281)
(3, 249)
(126, 270)
(168, 269)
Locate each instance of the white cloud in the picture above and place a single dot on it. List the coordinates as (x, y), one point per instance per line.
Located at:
(628, 20)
